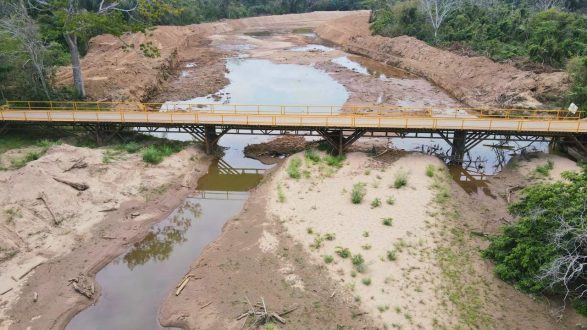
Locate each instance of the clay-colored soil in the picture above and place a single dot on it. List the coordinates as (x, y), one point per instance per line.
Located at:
(117, 69)
(475, 81)
(45, 245)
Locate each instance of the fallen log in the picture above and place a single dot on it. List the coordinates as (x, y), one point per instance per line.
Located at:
(74, 185)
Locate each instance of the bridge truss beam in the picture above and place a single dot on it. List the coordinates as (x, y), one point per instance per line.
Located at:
(338, 141)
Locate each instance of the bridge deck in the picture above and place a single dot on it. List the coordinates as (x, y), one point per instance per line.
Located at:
(279, 116)
(273, 120)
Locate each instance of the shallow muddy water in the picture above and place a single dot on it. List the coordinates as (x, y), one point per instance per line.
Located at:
(367, 66)
(482, 161)
(135, 284)
(254, 81)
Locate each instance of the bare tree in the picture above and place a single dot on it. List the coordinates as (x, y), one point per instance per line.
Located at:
(21, 27)
(548, 4)
(569, 270)
(438, 11)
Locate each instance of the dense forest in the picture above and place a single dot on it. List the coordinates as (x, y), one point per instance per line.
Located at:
(534, 34)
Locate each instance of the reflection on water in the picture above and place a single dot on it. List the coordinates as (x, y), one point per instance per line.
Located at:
(482, 161)
(135, 284)
(254, 81)
(159, 242)
(367, 66)
(223, 177)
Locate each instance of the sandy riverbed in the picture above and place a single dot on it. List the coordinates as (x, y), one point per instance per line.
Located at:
(72, 233)
(436, 279)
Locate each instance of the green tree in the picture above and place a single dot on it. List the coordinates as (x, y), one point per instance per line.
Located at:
(577, 69)
(555, 36)
(78, 20)
(546, 249)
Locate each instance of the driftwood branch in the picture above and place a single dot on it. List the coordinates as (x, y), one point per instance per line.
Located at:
(45, 199)
(80, 163)
(74, 185)
(259, 314)
(182, 284)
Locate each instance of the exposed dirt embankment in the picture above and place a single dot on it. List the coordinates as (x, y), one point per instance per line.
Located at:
(50, 233)
(476, 81)
(117, 68)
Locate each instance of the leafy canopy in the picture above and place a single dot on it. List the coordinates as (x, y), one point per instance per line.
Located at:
(528, 249)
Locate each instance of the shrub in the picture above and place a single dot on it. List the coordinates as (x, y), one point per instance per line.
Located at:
(580, 306)
(375, 203)
(155, 153)
(29, 157)
(387, 221)
(334, 161)
(281, 195)
(365, 234)
(131, 147)
(357, 260)
(328, 259)
(330, 236)
(152, 155)
(358, 193)
(366, 246)
(390, 200)
(401, 180)
(294, 168)
(545, 169)
(342, 252)
(312, 156)
(391, 255)
(318, 240)
(366, 281)
(430, 171)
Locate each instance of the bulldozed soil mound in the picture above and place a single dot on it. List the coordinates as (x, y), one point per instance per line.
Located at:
(476, 81)
(136, 66)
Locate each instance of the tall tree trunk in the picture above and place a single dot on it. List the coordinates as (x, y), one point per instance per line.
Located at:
(78, 80)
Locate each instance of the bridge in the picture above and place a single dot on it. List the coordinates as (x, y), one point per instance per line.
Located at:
(340, 126)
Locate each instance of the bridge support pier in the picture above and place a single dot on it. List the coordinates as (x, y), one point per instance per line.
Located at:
(338, 141)
(459, 143)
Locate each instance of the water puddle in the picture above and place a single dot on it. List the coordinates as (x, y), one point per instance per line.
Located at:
(482, 161)
(254, 81)
(259, 33)
(367, 67)
(312, 48)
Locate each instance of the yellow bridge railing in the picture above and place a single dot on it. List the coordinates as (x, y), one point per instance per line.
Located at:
(387, 110)
(267, 116)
